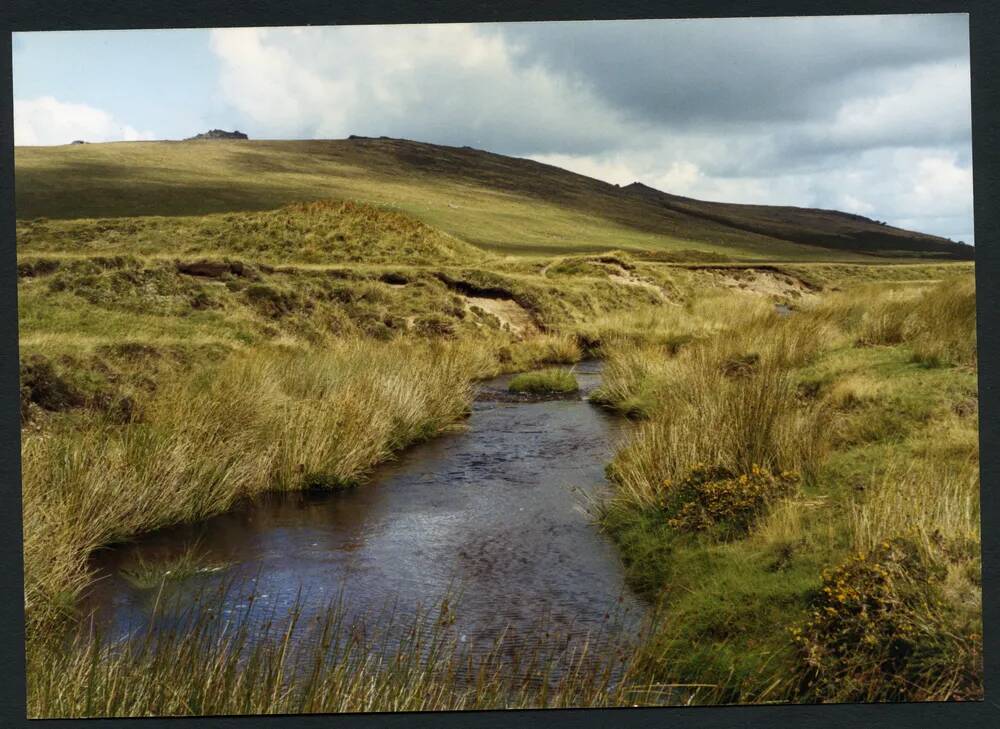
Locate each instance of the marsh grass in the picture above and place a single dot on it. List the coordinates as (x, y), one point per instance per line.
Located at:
(329, 663)
(549, 348)
(937, 322)
(307, 376)
(934, 504)
(705, 416)
(871, 395)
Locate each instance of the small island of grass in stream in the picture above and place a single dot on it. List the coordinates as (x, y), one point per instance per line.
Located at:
(551, 381)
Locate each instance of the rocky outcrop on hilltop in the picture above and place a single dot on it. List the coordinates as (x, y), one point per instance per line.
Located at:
(219, 134)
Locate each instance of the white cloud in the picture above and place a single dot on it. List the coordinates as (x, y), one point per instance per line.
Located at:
(942, 185)
(445, 83)
(921, 104)
(47, 120)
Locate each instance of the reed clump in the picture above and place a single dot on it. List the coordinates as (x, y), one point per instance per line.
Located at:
(706, 416)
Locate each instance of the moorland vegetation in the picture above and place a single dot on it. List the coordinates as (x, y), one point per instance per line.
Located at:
(798, 499)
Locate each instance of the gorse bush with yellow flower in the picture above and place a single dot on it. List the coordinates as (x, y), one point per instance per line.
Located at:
(879, 631)
(714, 498)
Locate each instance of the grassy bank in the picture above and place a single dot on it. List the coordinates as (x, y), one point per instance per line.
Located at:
(802, 497)
(279, 418)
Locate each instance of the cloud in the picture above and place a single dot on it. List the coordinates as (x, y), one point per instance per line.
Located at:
(870, 113)
(454, 84)
(729, 72)
(47, 120)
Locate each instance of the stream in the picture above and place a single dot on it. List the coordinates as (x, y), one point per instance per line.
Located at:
(490, 516)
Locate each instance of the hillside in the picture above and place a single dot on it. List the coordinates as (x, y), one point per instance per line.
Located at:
(809, 226)
(499, 203)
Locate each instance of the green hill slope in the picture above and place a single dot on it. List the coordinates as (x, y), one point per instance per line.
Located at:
(320, 232)
(499, 203)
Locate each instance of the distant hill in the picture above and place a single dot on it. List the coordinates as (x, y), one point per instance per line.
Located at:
(809, 226)
(504, 204)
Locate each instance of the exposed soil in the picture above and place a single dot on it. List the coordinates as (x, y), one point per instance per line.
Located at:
(628, 278)
(510, 314)
(761, 282)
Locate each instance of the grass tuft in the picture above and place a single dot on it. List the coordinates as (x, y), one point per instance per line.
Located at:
(148, 574)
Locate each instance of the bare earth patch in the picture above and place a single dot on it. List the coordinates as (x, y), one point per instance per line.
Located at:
(627, 278)
(510, 314)
(766, 283)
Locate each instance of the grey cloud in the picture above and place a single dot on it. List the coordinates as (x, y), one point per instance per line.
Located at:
(732, 71)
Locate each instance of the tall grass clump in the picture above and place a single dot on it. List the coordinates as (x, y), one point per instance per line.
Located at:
(277, 418)
(550, 348)
(670, 326)
(707, 418)
(664, 325)
(632, 378)
(639, 373)
(729, 402)
(938, 323)
(930, 504)
(942, 329)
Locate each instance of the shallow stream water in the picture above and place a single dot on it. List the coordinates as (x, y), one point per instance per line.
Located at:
(490, 516)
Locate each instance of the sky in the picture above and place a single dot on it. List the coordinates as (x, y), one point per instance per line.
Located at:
(866, 114)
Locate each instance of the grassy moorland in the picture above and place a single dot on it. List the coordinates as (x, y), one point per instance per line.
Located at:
(799, 498)
(503, 204)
